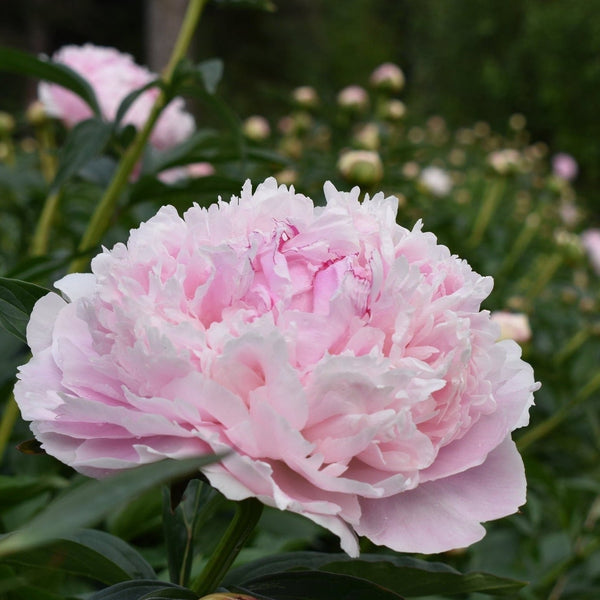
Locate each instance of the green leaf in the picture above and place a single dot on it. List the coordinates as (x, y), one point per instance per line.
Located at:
(91, 501)
(127, 102)
(208, 74)
(266, 5)
(17, 299)
(24, 63)
(93, 554)
(316, 585)
(401, 574)
(140, 589)
(85, 142)
(17, 489)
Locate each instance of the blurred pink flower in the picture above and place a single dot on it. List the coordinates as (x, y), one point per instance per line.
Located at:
(436, 181)
(591, 242)
(113, 76)
(200, 169)
(342, 358)
(564, 166)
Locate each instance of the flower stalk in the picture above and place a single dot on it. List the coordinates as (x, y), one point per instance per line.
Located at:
(247, 515)
(490, 203)
(105, 209)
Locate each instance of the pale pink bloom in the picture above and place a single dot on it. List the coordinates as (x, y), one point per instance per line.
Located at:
(436, 181)
(591, 242)
(564, 166)
(353, 97)
(513, 326)
(342, 359)
(388, 76)
(256, 128)
(507, 160)
(113, 76)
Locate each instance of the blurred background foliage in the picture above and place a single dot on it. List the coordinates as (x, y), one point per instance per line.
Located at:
(470, 60)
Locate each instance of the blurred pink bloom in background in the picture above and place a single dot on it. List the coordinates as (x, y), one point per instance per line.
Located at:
(341, 358)
(591, 242)
(564, 166)
(113, 76)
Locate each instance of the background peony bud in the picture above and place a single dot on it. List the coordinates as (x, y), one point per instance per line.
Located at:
(7, 123)
(341, 359)
(354, 99)
(565, 166)
(387, 77)
(513, 326)
(256, 128)
(590, 239)
(435, 181)
(305, 97)
(363, 167)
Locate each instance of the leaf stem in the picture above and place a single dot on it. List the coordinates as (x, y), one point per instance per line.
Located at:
(246, 517)
(105, 209)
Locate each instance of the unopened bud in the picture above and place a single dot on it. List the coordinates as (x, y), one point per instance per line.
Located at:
(387, 77)
(353, 99)
(392, 110)
(7, 123)
(363, 167)
(305, 97)
(36, 113)
(256, 128)
(367, 137)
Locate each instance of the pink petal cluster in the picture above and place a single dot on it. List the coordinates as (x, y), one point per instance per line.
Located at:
(113, 76)
(590, 239)
(565, 166)
(343, 359)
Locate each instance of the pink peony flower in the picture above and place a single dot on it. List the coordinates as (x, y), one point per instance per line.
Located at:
(343, 359)
(590, 240)
(113, 76)
(564, 166)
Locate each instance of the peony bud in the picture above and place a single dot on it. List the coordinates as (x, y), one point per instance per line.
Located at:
(305, 97)
(367, 137)
(513, 326)
(387, 77)
(435, 181)
(7, 123)
(393, 110)
(363, 167)
(256, 128)
(565, 166)
(353, 99)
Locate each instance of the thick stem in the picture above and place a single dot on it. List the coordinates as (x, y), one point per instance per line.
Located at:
(486, 212)
(105, 209)
(11, 412)
(246, 517)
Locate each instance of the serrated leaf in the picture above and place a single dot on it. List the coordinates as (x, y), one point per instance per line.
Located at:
(24, 63)
(137, 590)
(85, 142)
(91, 501)
(89, 553)
(316, 585)
(17, 299)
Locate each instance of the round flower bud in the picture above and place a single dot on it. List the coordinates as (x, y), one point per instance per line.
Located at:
(564, 166)
(353, 99)
(517, 122)
(411, 169)
(36, 113)
(367, 137)
(393, 110)
(363, 167)
(387, 77)
(435, 181)
(513, 326)
(590, 240)
(305, 97)
(505, 161)
(7, 123)
(287, 177)
(256, 128)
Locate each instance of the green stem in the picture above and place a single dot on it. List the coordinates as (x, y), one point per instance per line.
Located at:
(39, 243)
(575, 342)
(545, 274)
(488, 208)
(523, 240)
(11, 412)
(545, 427)
(105, 209)
(246, 517)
